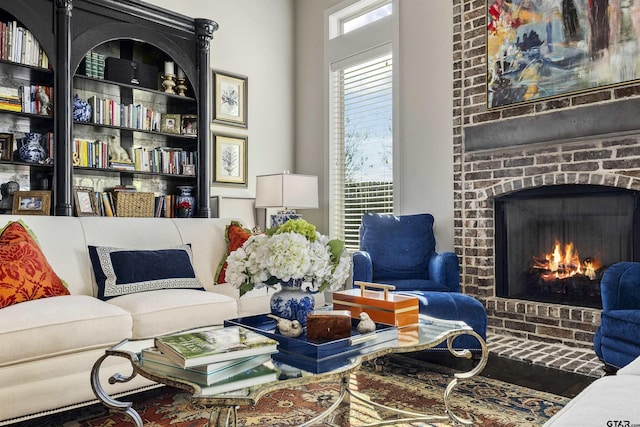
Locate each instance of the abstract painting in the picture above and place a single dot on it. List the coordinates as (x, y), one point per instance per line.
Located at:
(546, 48)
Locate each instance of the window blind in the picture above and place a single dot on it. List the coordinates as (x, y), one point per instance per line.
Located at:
(361, 116)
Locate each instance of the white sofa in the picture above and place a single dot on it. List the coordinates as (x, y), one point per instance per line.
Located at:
(48, 346)
(608, 401)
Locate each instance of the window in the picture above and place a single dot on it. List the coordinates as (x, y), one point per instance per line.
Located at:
(361, 125)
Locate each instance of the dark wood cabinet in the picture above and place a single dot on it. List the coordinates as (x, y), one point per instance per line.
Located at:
(126, 32)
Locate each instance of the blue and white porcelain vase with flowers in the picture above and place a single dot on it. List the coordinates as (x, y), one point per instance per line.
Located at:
(31, 149)
(296, 261)
(185, 202)
(292, 302)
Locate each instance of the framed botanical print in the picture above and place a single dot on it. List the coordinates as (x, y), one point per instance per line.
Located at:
(230, 99)
(230, 159)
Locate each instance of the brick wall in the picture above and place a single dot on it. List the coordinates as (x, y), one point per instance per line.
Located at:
(480, 176)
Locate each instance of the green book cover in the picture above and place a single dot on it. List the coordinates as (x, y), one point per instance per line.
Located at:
(214, 345)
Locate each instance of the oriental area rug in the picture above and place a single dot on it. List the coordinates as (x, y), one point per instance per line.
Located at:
(404, 383)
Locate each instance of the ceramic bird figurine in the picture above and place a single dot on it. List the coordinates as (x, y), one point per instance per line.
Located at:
(365, 324)
(286, 327)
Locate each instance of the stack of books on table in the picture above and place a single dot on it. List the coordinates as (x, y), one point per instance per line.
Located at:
(220, 360)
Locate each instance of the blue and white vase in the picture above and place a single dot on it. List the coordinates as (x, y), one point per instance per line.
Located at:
(31, 149)
(292, 303)
(81, 109)
(185, 196)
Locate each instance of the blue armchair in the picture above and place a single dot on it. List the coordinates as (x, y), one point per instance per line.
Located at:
(617, 339)
(401, 251)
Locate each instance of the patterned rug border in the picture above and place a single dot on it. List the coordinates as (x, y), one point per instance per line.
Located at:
(405, 382)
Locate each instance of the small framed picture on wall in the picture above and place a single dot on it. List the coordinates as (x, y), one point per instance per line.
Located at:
(230, 160)
(229, 99)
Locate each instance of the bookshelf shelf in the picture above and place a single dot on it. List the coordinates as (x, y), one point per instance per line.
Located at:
(119, 32)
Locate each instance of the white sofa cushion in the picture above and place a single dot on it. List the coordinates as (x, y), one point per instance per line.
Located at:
(606, 399)
(172, 310)
(64, 324)
(632, 368)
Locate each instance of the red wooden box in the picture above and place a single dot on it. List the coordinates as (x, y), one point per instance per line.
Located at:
(382, 307)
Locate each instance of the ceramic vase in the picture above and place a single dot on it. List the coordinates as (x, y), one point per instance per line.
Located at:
(81, 109)
(31, 149)
(185, 196)
(292, 303)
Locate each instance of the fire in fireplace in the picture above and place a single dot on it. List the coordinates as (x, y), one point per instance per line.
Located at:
(541, 233)
(564, 263)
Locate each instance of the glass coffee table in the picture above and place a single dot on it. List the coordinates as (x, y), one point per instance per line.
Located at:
(428, 333)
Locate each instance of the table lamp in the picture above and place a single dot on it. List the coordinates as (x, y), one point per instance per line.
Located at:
(286, 191)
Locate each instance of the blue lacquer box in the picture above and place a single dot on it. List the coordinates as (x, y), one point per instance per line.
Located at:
(318, 357)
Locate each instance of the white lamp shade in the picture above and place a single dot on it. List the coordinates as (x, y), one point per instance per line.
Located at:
(284, 190)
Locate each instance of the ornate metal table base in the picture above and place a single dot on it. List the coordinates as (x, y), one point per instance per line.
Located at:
(224, 412)
(410, 416)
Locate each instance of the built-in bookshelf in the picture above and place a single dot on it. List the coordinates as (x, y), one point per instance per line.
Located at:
(26, 91)
(141, 132)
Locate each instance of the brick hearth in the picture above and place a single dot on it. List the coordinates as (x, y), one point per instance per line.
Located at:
(480, 175)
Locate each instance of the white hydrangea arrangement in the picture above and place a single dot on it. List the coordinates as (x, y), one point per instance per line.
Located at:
(294, 252)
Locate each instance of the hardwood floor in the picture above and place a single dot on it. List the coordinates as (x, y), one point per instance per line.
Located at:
(525, 374)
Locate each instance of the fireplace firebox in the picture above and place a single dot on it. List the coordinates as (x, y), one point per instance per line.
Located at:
(553, 243)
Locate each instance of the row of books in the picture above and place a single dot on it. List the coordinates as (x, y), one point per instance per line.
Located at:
(221, 360)
(164, 205)
(167, 160)
(105, 111)
(19, 45)
(93, 65)
(35, 99)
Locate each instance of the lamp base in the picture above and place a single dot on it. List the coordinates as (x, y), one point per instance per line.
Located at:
(283, 216)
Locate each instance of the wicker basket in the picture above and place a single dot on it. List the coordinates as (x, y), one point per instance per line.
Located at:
(134, 204)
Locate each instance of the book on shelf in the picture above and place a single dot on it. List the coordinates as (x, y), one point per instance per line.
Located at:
(205, 374)
(250, 378)
(214, 345)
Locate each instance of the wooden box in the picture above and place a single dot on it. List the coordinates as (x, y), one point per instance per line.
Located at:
(328, 325)
(382, 306)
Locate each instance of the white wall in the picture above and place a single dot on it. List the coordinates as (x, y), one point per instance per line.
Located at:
(255, 39)
(278, 44)
(425, 158)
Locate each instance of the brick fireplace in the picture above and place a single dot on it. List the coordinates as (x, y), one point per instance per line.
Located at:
(590, 138)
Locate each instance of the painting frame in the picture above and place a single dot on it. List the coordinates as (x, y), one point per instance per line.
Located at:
(543, 50)
(170, 123)
(230, 99)
(6, 146)
(85, 201)
(36, 202)
(189, 124)
(230, 159)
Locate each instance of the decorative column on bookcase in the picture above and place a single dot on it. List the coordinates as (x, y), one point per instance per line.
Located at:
(63, 180)
(204, 31)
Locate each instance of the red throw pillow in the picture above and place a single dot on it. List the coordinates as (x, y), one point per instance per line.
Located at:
(25, 273)
(235, 236)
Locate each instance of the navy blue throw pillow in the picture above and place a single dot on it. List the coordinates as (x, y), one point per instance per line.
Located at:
(125, 271)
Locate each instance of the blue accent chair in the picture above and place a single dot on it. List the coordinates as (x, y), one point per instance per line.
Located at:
(401, 251)
(617, 339)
